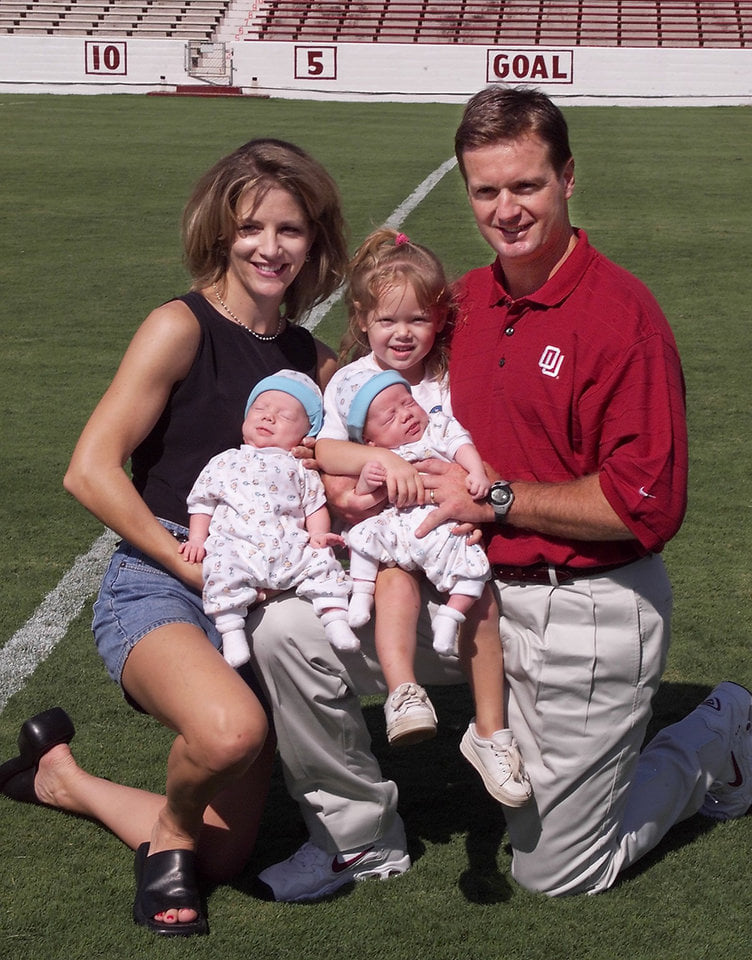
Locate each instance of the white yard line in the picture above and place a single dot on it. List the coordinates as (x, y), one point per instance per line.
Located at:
(49, 623)
(395, 221)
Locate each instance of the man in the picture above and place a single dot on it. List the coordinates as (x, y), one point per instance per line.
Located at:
(583, 411)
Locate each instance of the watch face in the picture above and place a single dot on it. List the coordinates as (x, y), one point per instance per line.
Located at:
(500, 495)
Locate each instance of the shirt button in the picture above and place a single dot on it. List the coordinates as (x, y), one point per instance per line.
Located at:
(502, 361)
(509, 331)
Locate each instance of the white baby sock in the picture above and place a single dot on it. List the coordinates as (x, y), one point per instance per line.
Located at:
(361, 603)
(444, 626)
(337, 631)
(235, 648)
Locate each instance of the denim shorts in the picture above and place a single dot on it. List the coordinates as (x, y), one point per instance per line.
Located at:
(137, 596)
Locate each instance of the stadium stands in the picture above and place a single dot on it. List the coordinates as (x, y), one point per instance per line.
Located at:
(193, 19)
(702, 23)
(594, 23)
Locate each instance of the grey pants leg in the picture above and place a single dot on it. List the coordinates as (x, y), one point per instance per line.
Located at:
(324, 744)
(323, 741)
(583, 662)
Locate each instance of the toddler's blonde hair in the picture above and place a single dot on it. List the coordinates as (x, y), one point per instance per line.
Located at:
(387, 259)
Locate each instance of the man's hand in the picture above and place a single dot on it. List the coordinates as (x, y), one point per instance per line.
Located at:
(575, 509)
(452, 498)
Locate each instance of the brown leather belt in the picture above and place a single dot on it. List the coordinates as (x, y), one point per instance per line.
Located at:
(550, 574)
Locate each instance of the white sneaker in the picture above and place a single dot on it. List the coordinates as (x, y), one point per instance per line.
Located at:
(730, 796)
(311, 873)
(499, 763)
(410, 716)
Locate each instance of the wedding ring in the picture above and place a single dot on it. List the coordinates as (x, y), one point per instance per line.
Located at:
(431, 495)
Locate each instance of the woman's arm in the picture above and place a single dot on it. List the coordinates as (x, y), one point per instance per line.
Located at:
(326, 365)
(159, 355)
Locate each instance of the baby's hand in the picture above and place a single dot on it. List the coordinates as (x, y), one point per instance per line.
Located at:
(477, 485)
(372, 476)
(373, 473)
(192, 552)
(321, 540)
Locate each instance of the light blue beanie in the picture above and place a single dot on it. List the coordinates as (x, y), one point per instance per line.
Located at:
(298, 385)
(364, 397)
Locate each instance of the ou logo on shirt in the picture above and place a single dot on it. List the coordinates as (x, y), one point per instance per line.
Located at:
(551, 361)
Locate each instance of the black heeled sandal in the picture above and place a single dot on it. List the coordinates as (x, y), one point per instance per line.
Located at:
(37, 736)
(167, 881)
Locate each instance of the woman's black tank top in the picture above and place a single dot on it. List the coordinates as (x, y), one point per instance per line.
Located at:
(204, 413)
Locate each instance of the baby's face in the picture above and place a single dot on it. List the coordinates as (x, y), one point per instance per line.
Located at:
(394, 418)
(275, 419)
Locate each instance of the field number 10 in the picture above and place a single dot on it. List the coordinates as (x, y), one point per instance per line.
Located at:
(107, 58)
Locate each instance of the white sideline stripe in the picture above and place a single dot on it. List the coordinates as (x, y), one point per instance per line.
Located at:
(49, 623)
(396, 220)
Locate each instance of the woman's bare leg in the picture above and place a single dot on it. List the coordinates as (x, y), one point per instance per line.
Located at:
(182, 681)
(231, 821)
(179, 678)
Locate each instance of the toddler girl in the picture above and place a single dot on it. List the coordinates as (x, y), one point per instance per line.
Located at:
(400, 313)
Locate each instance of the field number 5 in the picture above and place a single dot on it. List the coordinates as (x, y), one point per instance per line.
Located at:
(315, 63)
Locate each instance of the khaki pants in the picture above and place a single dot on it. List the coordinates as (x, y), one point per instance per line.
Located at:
(582, 660)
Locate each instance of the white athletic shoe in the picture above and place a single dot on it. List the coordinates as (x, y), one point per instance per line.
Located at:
(499, 763)
(311, 873)
(410, 716)
(730, 796)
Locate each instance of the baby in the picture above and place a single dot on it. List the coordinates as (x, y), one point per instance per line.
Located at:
(258, 519)
(383, 413)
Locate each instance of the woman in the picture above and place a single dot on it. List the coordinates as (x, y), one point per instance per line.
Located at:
(264, 241)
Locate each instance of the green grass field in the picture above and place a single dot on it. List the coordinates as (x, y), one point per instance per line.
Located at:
(91, 190)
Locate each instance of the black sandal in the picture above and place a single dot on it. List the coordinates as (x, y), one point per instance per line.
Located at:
(166, 881)
(38, 735)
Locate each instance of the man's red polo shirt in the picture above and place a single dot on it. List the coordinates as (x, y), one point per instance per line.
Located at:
(581, 377)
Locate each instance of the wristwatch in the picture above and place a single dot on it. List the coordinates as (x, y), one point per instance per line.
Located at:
(501, 498)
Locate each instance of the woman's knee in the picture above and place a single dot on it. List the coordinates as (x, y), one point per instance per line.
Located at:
(228, 736)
